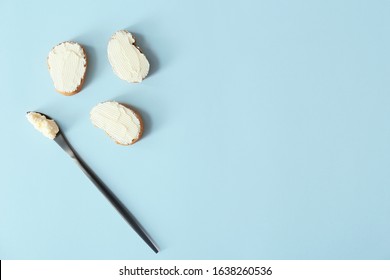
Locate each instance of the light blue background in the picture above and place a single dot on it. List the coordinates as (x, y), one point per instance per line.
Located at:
(267, 131)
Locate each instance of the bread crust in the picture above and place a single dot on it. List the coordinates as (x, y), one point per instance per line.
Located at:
(78, 89)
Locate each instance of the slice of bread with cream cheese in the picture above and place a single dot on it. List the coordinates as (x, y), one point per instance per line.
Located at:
(126, 58)
(67, 64)
(122, 124)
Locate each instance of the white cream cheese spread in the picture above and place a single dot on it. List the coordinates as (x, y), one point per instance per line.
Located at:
(49, 128)
(122, 124)
(127, 61)
(67, 65)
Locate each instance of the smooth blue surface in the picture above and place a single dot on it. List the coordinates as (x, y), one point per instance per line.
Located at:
(267, 131)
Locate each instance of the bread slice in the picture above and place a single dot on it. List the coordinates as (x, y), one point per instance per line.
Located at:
(121, 123)
(126, 58)
(67, 64)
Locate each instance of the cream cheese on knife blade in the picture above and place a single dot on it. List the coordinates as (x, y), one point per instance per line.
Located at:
(47, 127)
